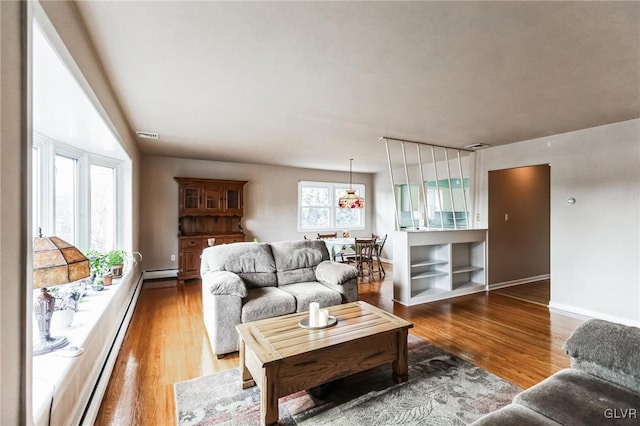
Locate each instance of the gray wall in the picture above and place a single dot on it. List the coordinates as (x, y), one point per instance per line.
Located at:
(270, 201)
(13, 223)
(595, 243)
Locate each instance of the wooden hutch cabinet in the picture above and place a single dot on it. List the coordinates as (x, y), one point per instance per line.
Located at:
(207, 209)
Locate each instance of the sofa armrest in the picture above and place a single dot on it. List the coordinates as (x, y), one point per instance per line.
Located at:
(339, 277)
(609, 345)
(224, 282)
(329, 272)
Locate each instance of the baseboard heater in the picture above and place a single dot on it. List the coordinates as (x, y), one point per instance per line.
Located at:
(154, 274)
(93, 406)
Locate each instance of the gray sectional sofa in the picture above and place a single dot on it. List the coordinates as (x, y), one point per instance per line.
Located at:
(244, 282)
(601, 387)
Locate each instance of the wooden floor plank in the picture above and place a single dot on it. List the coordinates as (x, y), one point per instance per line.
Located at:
(536, 292)
(166, 343)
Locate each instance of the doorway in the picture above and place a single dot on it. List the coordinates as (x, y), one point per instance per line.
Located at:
(519, 229)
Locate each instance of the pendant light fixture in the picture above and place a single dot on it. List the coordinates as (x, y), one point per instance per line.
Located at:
(351, 200)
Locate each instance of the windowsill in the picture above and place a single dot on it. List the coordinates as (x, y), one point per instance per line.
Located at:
(57, 376)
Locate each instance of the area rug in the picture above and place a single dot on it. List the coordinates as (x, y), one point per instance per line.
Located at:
(442, 390)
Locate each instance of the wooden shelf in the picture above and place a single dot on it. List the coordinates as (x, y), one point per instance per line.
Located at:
(429, 274)
(468, 285)
(429, 263)
(467, 268)
(432, 291)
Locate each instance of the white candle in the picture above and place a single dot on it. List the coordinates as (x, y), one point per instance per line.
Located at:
(324, 317)
(314, 314)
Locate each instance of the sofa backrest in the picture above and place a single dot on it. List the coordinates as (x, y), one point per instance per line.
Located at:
(253, 262)
(296, 261)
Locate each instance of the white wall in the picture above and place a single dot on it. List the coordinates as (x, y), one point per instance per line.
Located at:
(595, 243)
(270, 201)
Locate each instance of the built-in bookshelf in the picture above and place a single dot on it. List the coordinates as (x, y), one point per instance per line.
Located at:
(434, 265)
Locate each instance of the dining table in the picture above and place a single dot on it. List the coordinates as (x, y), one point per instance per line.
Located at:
(336, 245)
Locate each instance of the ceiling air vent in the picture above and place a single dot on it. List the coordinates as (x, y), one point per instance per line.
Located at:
(147, 135)
(477, 146)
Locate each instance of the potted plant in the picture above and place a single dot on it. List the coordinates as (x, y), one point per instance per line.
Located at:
(99, 265)
(66, 304)
(115, 260)
(98, 284)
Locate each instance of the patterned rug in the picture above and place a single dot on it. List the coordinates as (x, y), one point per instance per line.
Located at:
(442, 390)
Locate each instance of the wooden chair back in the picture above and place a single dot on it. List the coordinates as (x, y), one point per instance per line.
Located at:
(328, 235)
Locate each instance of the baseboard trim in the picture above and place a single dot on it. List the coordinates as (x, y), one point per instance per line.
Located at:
(159, 273)
(519, 281)
(582, 313)
(92, 408)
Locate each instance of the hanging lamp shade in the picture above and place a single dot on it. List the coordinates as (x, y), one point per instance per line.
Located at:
(351, 200)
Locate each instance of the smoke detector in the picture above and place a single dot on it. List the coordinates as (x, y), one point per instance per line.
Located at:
(475, 146)
(147, 135)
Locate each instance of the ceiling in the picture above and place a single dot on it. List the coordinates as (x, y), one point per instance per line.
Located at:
(312, 84)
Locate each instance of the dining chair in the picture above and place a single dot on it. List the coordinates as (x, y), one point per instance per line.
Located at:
(378, 252)
(364, 257)
(329, 235)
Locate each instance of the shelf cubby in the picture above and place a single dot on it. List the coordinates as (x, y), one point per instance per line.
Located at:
(434, 265)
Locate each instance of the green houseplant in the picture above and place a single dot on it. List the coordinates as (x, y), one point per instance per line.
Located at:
(99, 265)
(116, 260)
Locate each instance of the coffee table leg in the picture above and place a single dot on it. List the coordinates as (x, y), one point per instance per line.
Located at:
(247, 380)
(401, 365)
(269, 397)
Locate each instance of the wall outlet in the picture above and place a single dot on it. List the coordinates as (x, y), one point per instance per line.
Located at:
(477, 217)
(173, 257)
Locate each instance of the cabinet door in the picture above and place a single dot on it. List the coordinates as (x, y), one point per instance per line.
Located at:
(213, 198)
(190, 199)
(191, 262)
(233, 199)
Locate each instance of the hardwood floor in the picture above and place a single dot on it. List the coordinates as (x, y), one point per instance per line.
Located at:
(166, 343)
(537, 292)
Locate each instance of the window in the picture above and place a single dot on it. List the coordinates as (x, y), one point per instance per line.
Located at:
(83, 189)
(318, 208)
(446, 201)
(36, 189)
(103, 201)
(65, 198)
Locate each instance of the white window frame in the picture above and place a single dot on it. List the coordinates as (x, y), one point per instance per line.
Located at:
(49, 148)
(331, 186)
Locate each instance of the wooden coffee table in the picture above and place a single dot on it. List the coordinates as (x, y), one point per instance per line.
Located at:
(282, 358)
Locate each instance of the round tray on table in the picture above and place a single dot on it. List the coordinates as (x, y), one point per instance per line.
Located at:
(304, 323)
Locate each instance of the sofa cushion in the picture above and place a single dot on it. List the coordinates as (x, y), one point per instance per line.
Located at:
(609, 345)
(308, 292)
(572, 397)
(267, 302)
(253, 262)
(296, 260)
(514, 414)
